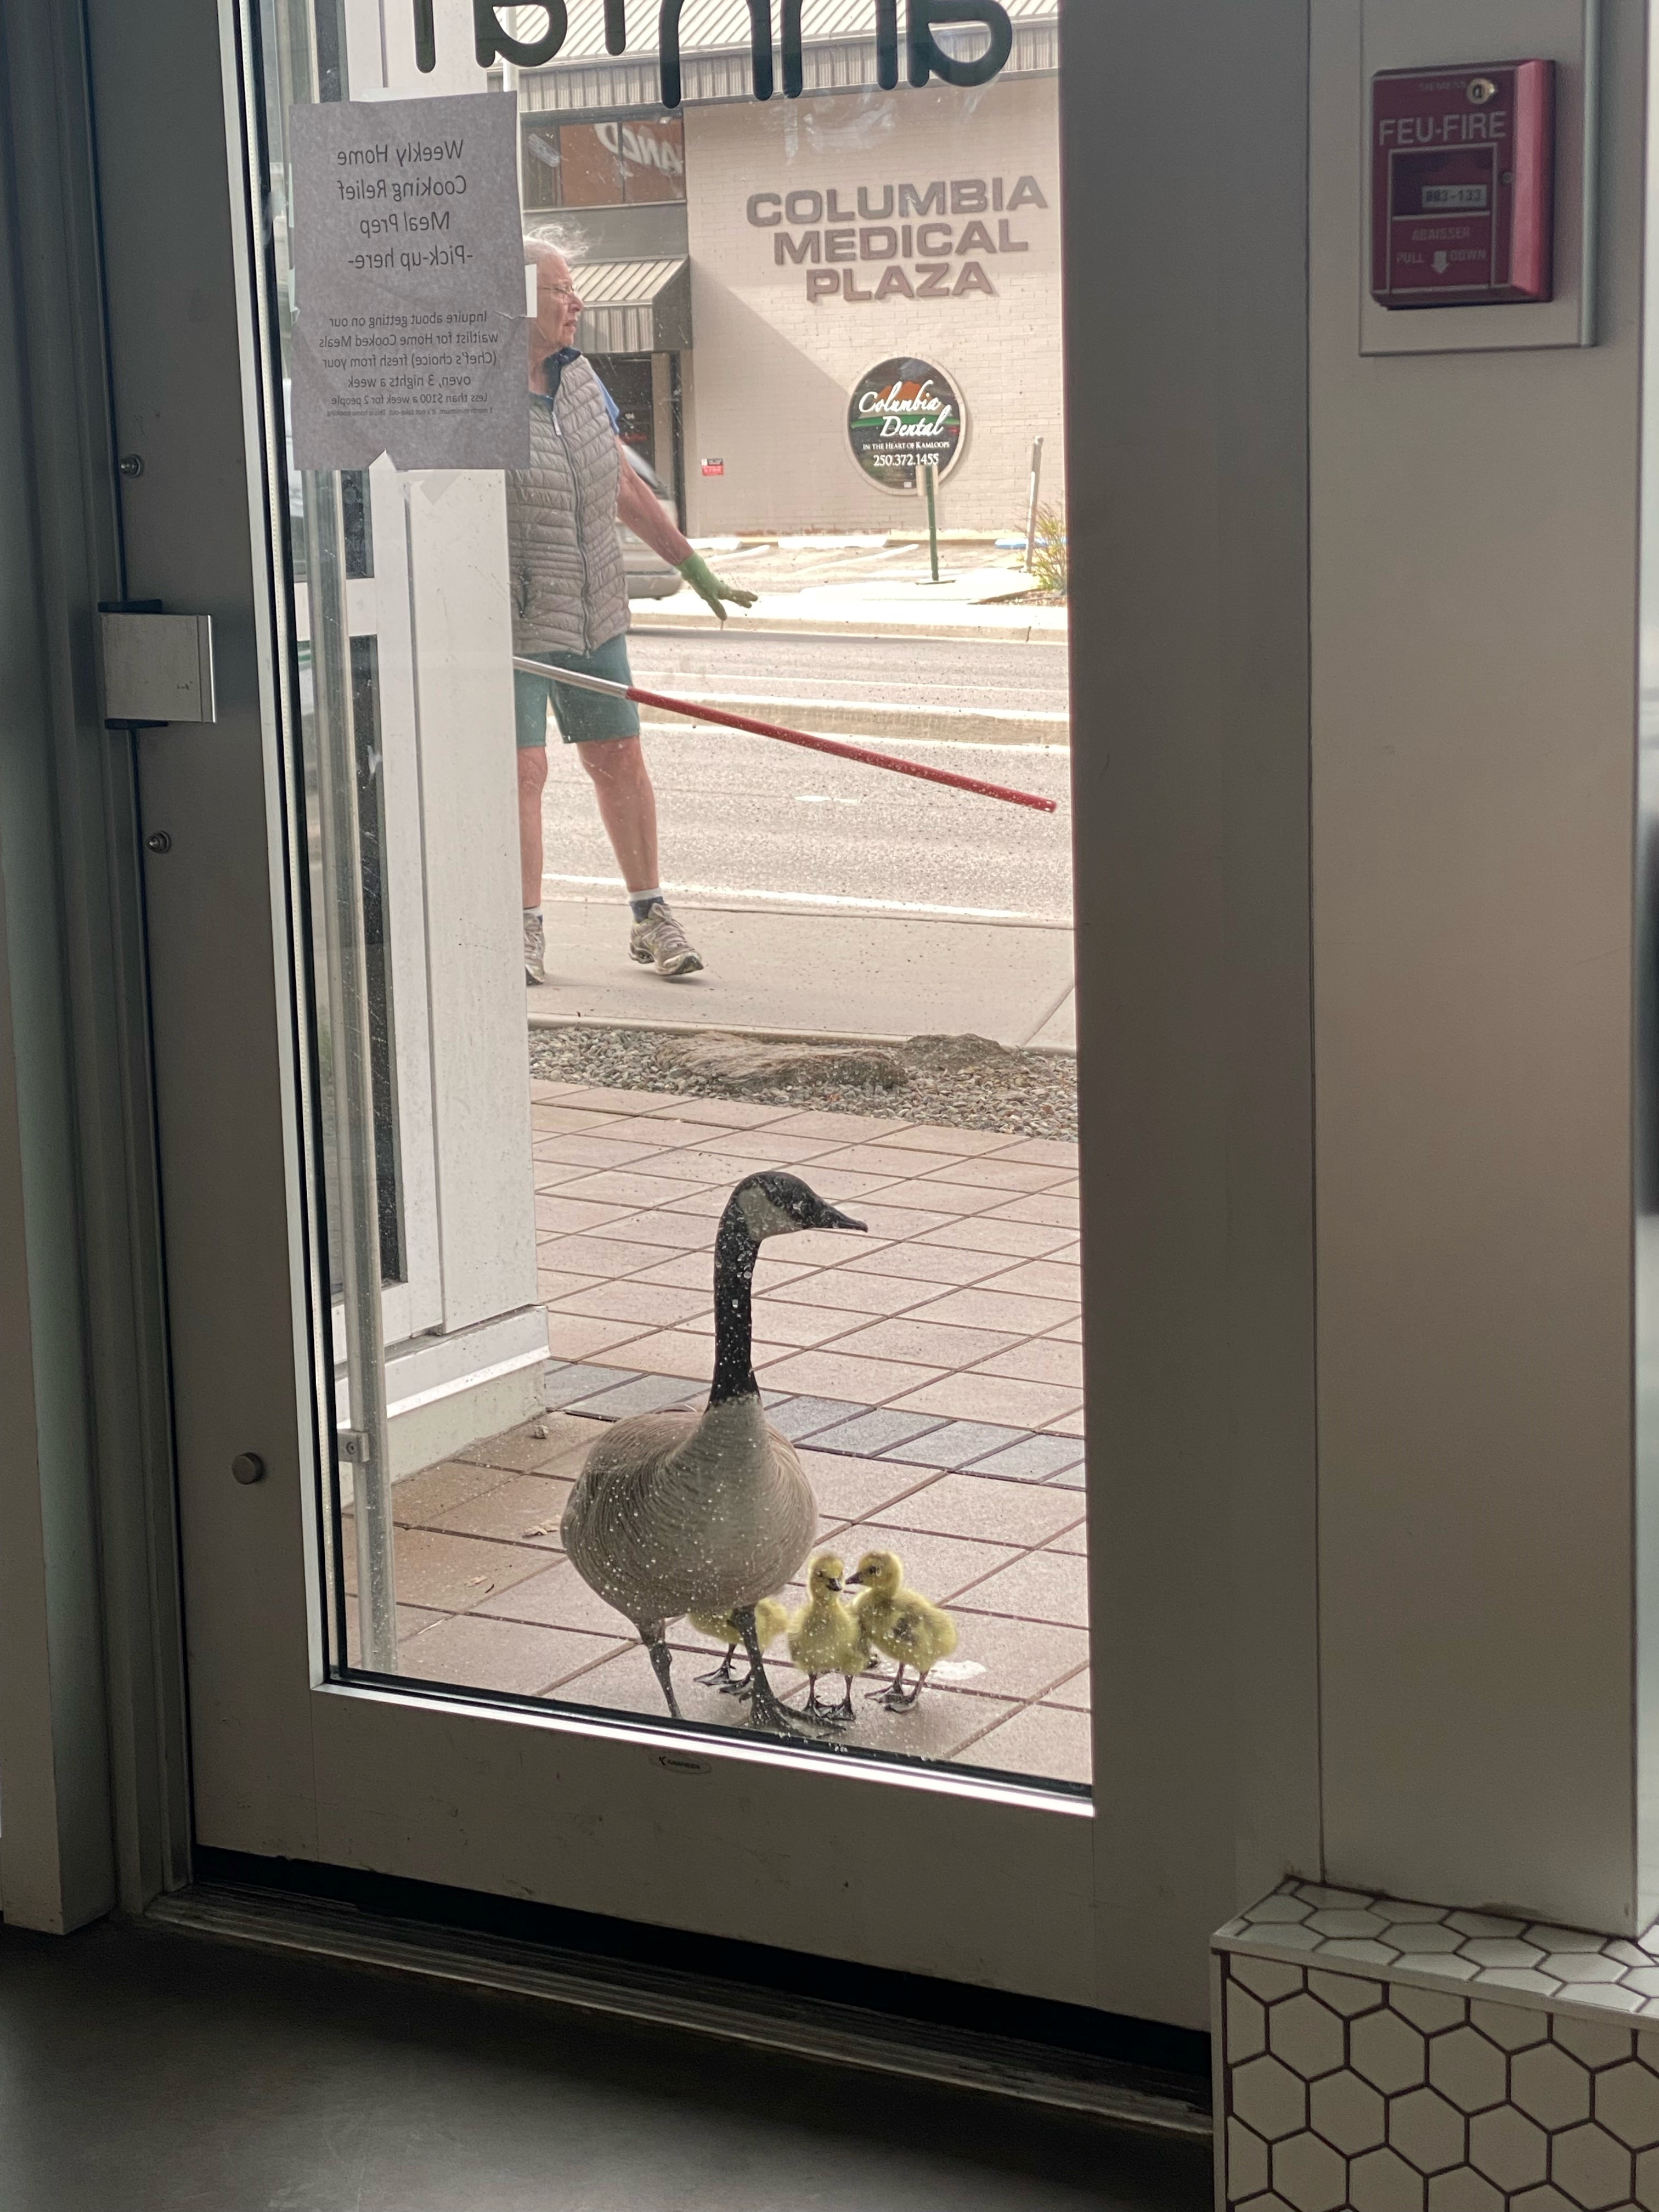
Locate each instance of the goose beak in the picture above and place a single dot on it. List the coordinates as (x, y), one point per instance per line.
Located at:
(832, 1218)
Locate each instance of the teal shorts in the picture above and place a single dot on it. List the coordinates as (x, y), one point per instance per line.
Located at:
(582, 716)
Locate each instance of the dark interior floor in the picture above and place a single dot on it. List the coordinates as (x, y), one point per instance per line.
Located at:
(144, 2071)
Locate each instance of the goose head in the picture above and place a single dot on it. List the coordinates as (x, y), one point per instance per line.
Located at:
(880, 1571)
(823, 1578)
(773, 1204)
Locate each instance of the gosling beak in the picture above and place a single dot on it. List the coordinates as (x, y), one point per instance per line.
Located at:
(833, 1583)
(832, 1218)
(856, 1577)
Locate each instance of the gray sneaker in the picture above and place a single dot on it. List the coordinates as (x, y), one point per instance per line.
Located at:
(660, 942)
(535, 949)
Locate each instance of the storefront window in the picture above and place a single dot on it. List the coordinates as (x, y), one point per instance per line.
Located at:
(613, 162)
(694, 957)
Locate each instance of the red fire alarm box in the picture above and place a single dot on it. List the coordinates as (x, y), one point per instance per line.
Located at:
(1462, 184)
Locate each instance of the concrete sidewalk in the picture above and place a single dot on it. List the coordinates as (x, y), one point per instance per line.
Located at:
(895, 608)
(816, 972)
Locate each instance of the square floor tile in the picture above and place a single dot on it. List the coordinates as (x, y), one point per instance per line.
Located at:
(924, 1261)
(731, 1112)
(923, 1136)
(996, 1174)
(411, 1619)
(991, 1398)
(1073, 1692)
(509, 1655)
(568, 1217)
(1074, 1540)
(844, 1290)
(1021, 1658)
(931, 1195)
(869, 1433)
(673, 1352)
(928, 1343)
(1045, 1208)
(525, 1508)
(849, 1489)
(557, 1597)
(576, 1336)
(664, 1227)
(1002, 1311)
(796, 1417)
(555, 1284)
(641, 1393)
(1041, 1279)
(1033, 1460)
(451, 1482)
(839, 1128)
(883, 1161)
(840, 1375)
(607, 1257)
(563, 1384)
(1043, 1586)
(1051, 1740)
(956, 1444)
(1049, 1151)
(979, 1505)
(654, 1305)
(1013, 1240)
(451, 1574)
(1041, 1360)
(531, 1447)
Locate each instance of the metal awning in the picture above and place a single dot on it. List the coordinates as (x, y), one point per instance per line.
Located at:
(634, 307)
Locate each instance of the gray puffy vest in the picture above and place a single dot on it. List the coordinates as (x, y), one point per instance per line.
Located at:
(569, 586)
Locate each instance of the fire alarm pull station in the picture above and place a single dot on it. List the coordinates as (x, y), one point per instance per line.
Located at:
(1462, 184)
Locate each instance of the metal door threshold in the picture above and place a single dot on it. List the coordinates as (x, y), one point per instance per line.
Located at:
(824, 2032)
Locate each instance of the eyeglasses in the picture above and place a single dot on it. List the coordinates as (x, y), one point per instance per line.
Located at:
(564, 292)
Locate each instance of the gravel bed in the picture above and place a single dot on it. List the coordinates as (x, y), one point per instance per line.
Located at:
(957, 1082)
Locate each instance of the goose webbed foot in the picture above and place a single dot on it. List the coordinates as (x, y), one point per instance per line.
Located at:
(830, 1717)
(723, 1679)
(765, 1709)
(895, 1697)
(656, 1644)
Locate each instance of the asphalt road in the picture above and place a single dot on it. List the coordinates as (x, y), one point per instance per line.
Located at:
(904, 671)
(748, 822)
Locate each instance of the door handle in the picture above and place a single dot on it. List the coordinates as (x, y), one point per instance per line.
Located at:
(158, 667)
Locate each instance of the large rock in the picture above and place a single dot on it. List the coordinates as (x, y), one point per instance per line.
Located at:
(750, 1063)
(939, 1055)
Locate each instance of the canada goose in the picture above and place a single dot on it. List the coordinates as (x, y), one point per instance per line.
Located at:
(825, 1638)
(770, 1622)
(680, 1512)
(902, 1622)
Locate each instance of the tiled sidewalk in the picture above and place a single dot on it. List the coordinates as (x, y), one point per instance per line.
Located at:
(930, 1373)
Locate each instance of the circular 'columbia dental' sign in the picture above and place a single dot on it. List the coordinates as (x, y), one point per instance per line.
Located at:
(904, 414)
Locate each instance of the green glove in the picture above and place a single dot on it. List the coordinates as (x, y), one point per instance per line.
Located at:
(703, 580)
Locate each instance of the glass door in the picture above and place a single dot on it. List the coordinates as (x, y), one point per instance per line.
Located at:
(629, 1351)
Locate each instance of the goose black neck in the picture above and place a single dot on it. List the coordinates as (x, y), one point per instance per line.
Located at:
(735, 1254)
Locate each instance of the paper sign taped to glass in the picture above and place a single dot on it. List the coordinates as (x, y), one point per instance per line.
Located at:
(409, 337)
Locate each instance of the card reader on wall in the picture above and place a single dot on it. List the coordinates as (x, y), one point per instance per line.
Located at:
(158, 668)
(1462, 184)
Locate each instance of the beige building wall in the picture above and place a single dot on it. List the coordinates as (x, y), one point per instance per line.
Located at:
(774, 369)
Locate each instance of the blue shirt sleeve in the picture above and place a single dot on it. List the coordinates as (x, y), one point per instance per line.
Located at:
(611, 407)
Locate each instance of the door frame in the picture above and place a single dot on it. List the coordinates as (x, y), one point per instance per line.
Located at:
(1187, 441)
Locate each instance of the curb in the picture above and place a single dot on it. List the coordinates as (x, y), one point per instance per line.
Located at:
(756, 1036)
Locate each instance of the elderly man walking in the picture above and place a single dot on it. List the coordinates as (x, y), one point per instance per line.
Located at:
(570, 610)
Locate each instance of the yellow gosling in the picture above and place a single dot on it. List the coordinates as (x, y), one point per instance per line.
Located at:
(902, 1623)
(770, 1622)
(825, 1638)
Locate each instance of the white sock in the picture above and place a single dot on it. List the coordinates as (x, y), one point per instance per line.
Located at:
(532, 914)
(641, 903)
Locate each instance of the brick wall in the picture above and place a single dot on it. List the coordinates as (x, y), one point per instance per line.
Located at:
(774, 369)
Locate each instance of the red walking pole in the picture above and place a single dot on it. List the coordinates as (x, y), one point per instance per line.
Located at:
(696, 714)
